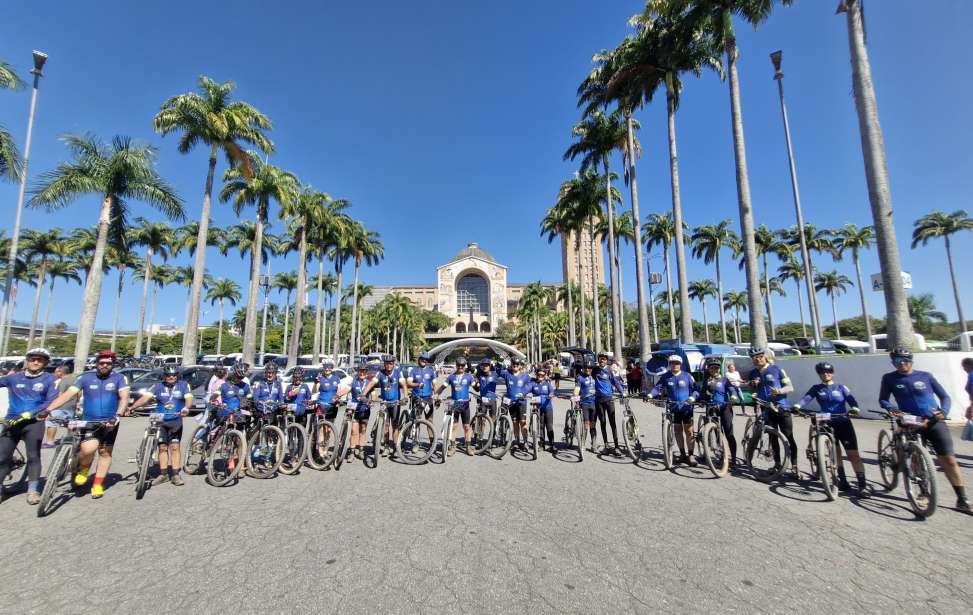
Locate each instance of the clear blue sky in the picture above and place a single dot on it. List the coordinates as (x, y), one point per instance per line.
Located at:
(444, 122)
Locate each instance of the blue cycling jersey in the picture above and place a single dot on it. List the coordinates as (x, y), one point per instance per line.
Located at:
(171, 400)
(517, 385)
(99, 396)
(771, 377)
(487, 385)
(605, 381)
(271, 392)
(586, 387)
(914, 393)
(28, 394)
(460, 386)
(233, 395)
(545, 393)
(298, 394)
(678, 388)
(357, 390)
(328, 388)
(718, 390)
(969, 385)
(389, 383)
(834, 398)
(424, 376)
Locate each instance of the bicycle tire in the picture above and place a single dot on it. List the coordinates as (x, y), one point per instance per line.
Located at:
(503, 437)
(145, 460)
(446, 435)
(827, 463)
(888, 464)
(762, 447)
(532, 429)
(747, 433)
(55, 472)
(630, 432)
(413, 446)
(271, 452)
(231, 444)
(920, 481)
(482, 430)
(195, 452)
(295, 448)
(715, 448)
(812, 450)
(668, 440)
(17, 476)
(580, 433)
(377, 437)
(341, 446)
(318, 442)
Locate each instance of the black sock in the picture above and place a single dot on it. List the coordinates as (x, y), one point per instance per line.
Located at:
(170, 471)
(960, 492)
(861, 478)
(841, 475)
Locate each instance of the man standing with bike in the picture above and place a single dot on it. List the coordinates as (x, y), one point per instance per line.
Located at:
(915, 393)
(423, 381)
(363, 411)
(459, 383)
(173, 398)
(30, 393)
(486, 385)
(584, 393)
(606, 383)
(105, 399)
(679, 388)
(718, 390)
(269, 389)
(518, 385)
(771, 384)
(393, 387)
(545, 391)
(835, 399)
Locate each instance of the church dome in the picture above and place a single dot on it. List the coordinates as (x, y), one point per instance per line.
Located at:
(474, 250)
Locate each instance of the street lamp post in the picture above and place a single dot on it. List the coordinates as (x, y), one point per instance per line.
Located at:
(775, 58)
(265, 282)
(5, 312)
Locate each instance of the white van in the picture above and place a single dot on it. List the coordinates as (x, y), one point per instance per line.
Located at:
(879, 343)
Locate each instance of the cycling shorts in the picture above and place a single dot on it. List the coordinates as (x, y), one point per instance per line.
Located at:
(682, 417)
(844, 432)
(424, 405)
(517, 410)
(330, 412)
(461, 411)
(104, 434)
(362, 412)
(170, 431)
(590, 413)
(937, 437)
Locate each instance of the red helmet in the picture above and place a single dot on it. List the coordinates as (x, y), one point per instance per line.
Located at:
(105, 354)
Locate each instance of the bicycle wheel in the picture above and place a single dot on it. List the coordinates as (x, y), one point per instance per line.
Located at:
(265, 452)
(55, 474)
(747, 433)
(226, 456)
(503, 437)
(580, 433)
(322, 444)
(195, 452)
(295, 448)
(888, 462)
(715, 448)
(482, 432)
(377, 438)
(668, 441)
(765, 465)
(145, 459)
(533, 428)
(414, 445)
(920, 481)
(812, 450)
(341, 446)
(446, 435)
(827, 465)
(630, 431)
(15, 479)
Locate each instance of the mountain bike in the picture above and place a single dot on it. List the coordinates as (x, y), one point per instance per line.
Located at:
(17, 476)
(322, 443)
(481, 423)
(901, 451)
(533, 425)
(574, 430)
(668, 431)
(765, 448)
(822, 451)
(145, 453)
(380, 426)
(225, 449)
(344, 437)
(446, 435)
(64, 462)
(503, 431)
(630, 429)
(711, 440)
(417, 437)
(295, 439)
(265, 442)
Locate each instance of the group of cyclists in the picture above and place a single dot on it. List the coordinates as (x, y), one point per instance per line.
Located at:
(104, 392)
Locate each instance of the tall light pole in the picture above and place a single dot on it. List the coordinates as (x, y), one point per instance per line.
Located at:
(775, 58)
(265, 282)
(5, 311)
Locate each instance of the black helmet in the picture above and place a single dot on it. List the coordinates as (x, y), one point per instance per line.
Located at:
(461, 361)
(239, 371)
(169, 370)
(756, 351)
(387, 358)
(517, 361)
(485, 362)
(901, 353)
(424, 356)
(361, 365)
(713, 361)
(297, 374)
(823, 367)
(270, 368)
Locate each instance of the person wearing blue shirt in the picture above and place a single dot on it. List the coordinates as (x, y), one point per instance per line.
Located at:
(329, 390)
(544, 390)
(915, 393)
(422, 381)
(606, 385)
(234, 395)
(104, 397)
(30, 392)
(392, 387)
(269, 391)
(173, 398)
(967, 365)
(459, 383)
(836, 399)
(298, 394)
(771, 384)
(718, 390)
(518, 383)
(584, 393)
(679, 387)
(363, 411)
(486, 385)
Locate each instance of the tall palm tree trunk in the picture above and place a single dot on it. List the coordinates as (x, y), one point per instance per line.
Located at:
(145, 299)
(253, 290)
(800, 308)
(581, 289)
(294, 350)
(898, 324)
(648, 269)
(192, 322)
(644, 340)
(770, 304)
(705, 321)
(219, 333)
(594, 286)
(353, 345)
(324, 326)
(613, 282)
(736, 326)
(92, 290)
(263, 317)
(959, 305)
(861, 294)
(287, 316)
(148, 335)
(621, 296)
(47, 315)
(118, 306)
(672, 311)
(573, 337)
(37, 303)
(834, 315)
(719, 301)
(316, 345)
(336, 348)
(685, 314)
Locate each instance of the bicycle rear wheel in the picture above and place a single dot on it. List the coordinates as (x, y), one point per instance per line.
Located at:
(145, 460)
(482, 432)
(377, 438)
(322, 444)
(920, 481)
(827, 465)
(503, 437)
(888, 462)
(580, 433)
(446, 435)
(630, 431)
(341, 446)
(295, 448)
(414, 446)
(747, 433)
(765, 464)
(17, 477)
(55, 474)
(533, 428)
(715, 448)
(226, 456)
(668, 441)
(195, 452)
(265, 452)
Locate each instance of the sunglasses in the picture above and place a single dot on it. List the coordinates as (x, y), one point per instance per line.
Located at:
(901, 361)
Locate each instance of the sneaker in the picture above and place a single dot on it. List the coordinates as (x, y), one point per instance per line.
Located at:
(81, 477)
(794, 471)
(33, 498)
(97, 491)
(863, 491)
(451, 449)
(48, 445)
(844, 485)
(469, 449)
(177, 480)
(963, 505)
(350, 457)
(691, 460)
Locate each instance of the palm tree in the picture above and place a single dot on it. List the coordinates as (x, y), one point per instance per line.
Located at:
(834, 284)
(700, 290)
(367, 248)
(897, 322)
(660, 230)
(938, 225)
(853, 239)
(303, 212)
(120, 258)
(10, 162)
(211, 117)
(339, 237)
(184, 276)
(40, 245)
(715, 18)
(708, 241)
(117, 172)
(268, 183)
(557, 224)
(794, 270)
(157, 239)
(57, 269)
(533, 303)
(922, 310)
(222, 290)
(162, 276)
(286, 282)
(736, 301)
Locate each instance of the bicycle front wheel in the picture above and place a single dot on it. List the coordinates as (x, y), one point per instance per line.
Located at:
(266, 452)
(15, 479)
(827, 464)
(715, 448)
(341, 447)
(322, 444)
(532, 429)
(226, 457)
(630, 432)
(668, 441)
(377, 436)
(920, 481)
(414, 445)
(765, 460)
(503, 437)
(888, 461)
(195, 452)
(55, 474)
(482, 432)
(580, 433)
(295, 448)
(145, 460)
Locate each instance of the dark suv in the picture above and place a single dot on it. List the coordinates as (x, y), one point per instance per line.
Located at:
(196, 375)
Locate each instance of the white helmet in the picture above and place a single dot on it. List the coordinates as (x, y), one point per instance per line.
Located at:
(39, 352)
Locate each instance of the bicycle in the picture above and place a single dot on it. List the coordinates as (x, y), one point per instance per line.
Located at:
(902, 451)
(711, 440)
(417, 437)
(502, 437)
(574, 426)
(822, 451)
(447, 432)
(17, 476)
(64, 462)
(481, 423)
(765, 460)
(383, 421)
(224, 447)
(265, 443)
(630, 430)
(145, 453)
(668, 431)
(295, 439)
(321, 445)
(533, 425)
(344, 436)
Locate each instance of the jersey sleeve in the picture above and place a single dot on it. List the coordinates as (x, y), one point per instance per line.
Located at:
(941, 393)
(188, 394)
(808, 397)
(849, 398)
(884, 392)
(78, 385)
(657, 389)
(123, 384)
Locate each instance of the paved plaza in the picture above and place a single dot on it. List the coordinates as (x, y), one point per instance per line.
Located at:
(486, 536)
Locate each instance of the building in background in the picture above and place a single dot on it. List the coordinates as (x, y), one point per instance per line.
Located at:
(591, 258)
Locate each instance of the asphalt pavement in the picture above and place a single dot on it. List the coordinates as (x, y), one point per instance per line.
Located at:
(479, 535)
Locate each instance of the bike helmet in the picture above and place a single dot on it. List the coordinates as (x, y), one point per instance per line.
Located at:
(105, 354)
(485, 362)
(901, 353)
(270, 368)
(238, 371)
(297, 374)
(388, 358)
(756, 351)
(588, 362)
(169, 370)
(713, 361)
(540, 368)
(38, 352)
(461, 361)
(327, 364)
(602, 355)
(823, 367)
(424, 356)
(517, 361)
(361, 366)
(674, 358)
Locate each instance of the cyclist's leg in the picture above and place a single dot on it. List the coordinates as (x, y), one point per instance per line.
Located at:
(467, 430)
(787, 427)
(772, 419)
(357, 435)
(589, 421)
(937, 436)
(726, 422)
(547, 421)
(610, 415)
(106, 445)
(682, 422)
(600, 414)
(86, 456)
(8, 443)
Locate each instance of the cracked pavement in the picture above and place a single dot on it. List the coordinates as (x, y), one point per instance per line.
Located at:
(481, 535)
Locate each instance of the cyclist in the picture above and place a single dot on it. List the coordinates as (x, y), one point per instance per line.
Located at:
(30, 393)
(679, 387)
(459, 383)
(584, 393)
(363, 410)
(330, 392)
(269, 390)
(606, 380)
(915, 393)
(393, 386)
(718, 389)
(234, 394)
(173, 398)
(771, 384)
(967, 365)
(518, 384)
(486, 385)
(105, 399)
(545, 390)
(836, 399)
(423, 381)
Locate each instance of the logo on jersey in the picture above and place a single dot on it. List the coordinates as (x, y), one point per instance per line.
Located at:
(38, 386)
(823, 393)
(919, 386)
(837, 395)
(110, 386)
(20, 385)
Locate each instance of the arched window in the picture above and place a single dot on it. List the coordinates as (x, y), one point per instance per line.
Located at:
(472, 294)
(485, 327)
(472, 328)
(461, 327)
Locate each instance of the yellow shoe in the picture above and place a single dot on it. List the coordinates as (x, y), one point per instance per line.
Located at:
(81, 477)
(97, 491)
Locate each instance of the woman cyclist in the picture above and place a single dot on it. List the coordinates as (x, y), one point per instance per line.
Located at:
(363, 411)
(717, 389)
(544, 390)
(771, 384)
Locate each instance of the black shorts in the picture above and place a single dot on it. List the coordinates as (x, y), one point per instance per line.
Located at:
(461, 409)
(330, 412)
(590, 412)
(937, 437)
(170, 431)
(104, 434)
(362, 413)
(425, 406)
(844, 432)
(488, 406)
(517, 410)
(394, 412)
(684, 417)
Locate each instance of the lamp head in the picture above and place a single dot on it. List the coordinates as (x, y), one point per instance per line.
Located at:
(776, 58)
(39, 59)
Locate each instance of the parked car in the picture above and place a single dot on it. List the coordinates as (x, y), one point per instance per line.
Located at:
(852, 347)
(743, 364)
(807, 345)
(779, 349)
(196, 375)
